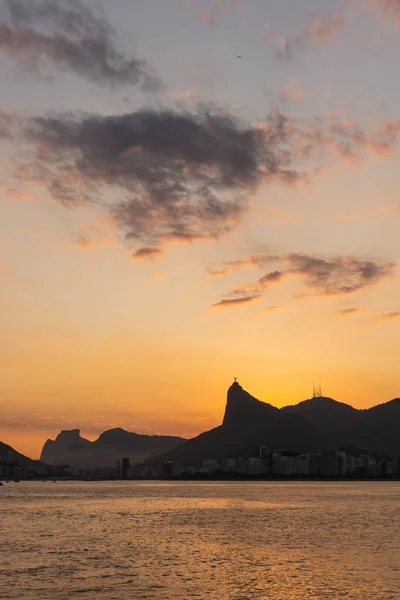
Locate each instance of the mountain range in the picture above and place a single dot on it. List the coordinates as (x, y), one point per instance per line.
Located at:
(312, 425)
(69, 448)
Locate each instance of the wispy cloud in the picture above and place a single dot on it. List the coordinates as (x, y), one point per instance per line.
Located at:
(216, 11)
(388, 8)
(395, 314)
(90, 237)
(231, 302)
(320, 30)
(17, 193)
(217, 272)
(292, 92)
(346, 312)
(326, 276)
(70, 37)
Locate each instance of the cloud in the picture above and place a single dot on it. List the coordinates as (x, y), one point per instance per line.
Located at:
(273, 307)
(345, 312)
(147, 252)
(327, 276)
(337, 135)
(230, 302)
(388, 8)
(92, 236)
(217, 272)
(321, 30)
(180, 174)
(390, 315)
(17, 193)
(69, 36)
(164, 175)
(274, 276)
(292, 92)
(217, 10)
(338, 275)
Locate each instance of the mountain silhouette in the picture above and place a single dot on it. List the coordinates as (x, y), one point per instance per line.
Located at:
(54, 451)
(69, 448)
(375, 428)
(247, 422)
(10, 456)
(313, 425)
(310, 426)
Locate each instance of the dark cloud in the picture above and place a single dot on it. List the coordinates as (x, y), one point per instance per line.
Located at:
(338, 275)
(189, 175)
(69, 16)
(330, 276)
(69, 36)
(230, 302)
(321, 30)
(271, 277)
(164, 175)
(147, 252)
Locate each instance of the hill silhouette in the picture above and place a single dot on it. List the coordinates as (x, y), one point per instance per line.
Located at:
(247, 422)
(375, 428)
(312, 425)
(69, 448)
(10, 456)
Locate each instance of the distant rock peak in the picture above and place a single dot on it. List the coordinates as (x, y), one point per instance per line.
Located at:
(70, 433)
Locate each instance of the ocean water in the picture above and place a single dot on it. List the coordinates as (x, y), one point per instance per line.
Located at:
(236, 541)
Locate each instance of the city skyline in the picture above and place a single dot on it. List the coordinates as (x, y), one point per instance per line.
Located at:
(190, 191)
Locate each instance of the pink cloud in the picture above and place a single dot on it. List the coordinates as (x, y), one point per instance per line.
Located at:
(320, 30)
(388, 8)
(18, 193)
(217, 10)
(91, 236)
(292, 92)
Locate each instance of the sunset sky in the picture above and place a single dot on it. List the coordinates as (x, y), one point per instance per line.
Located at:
(191, 191)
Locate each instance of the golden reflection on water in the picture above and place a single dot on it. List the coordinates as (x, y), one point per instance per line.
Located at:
(225, 541)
